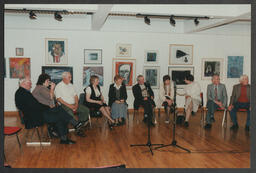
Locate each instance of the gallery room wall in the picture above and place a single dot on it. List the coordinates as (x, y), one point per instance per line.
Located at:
(20, 31)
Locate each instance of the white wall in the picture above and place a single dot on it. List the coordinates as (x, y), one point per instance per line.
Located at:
(20, 31)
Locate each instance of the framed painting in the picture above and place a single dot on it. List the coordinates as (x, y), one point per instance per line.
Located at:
(235, 66)
(211, 66)
(92, 56)
(19, 67)
(56, 51)
(180, 54)
(89, 71)
(126, 69)
(123, 50)
(152, 76)
(19, 51)
(151, 57)
(178, 75)
(55, 72)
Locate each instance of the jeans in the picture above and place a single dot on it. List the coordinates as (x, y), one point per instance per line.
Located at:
(237, 106)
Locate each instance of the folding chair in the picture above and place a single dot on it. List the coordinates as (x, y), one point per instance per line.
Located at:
(224, 120)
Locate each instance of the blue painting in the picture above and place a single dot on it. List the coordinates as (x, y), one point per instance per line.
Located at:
(89, 71)
(55, 72)
(235, 66)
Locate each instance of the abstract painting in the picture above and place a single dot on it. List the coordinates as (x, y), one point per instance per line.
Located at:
(151, 56)
(55, 72)
(178, 74)
(19, 67)
(152, 76)
(235, 66)
(123, 50)
(92, 56)
(89, 71)
(211, 66)
(180, 54)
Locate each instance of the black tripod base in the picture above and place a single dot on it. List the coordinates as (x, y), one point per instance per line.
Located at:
(174, 144)
(145, 145)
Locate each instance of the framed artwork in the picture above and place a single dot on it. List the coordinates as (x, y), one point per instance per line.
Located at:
(178, 74)
(152, 76)
(55, 72)
(89, 71)
(151, 57)
(19, 51)
(126, 69)
(19, 67)
(92, 56)
(235, 66)
(123, 50)
(56, 51)
(212, 66)
(180, 54)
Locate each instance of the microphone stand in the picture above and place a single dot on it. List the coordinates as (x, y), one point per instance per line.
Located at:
(174, 142)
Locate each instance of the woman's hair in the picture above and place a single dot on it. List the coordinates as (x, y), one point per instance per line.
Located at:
(92, 79)
(189, 77)
(42, 78)
(117, 77)
(166, 77)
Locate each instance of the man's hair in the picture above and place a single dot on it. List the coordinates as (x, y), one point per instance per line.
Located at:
(42, 78)
(139, 77)
(117, 77)
(215, 75)
(242, 77)
(93, 77)
(65, 74)
(189, 77)
(166, 77)
(21, 80)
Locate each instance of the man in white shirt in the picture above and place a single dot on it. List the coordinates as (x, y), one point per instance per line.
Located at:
(66, 96)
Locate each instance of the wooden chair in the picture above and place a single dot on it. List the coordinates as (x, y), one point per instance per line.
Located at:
(225, 121)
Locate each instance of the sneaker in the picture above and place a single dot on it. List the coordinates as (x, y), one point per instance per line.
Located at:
(79, 125)
(247, 128)
(234, 127)
(208, 126)
(186, 124)
(212, 119)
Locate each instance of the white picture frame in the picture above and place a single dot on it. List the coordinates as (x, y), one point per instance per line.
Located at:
(178, 74)
(180, 54)
(123, 50)
(212, 66)
(92, 56)
(152, 76)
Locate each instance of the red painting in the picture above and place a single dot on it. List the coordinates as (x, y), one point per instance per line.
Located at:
(19, 67)
(125, 69)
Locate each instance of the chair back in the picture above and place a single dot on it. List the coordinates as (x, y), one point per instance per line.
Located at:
(81, 98)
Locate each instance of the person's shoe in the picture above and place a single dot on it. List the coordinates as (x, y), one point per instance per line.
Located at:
(80, 133)
(193, 113)
(212, 119)
(68, 141)
(110, 125)
(247, 128)
(52, 133)
(78, 126)
(208, 126)
(145, 120)
(123, 121)
(234, 127)
(167, 121)
(152, 124)
(186, 124)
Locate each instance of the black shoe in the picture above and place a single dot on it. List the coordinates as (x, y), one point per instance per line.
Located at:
(123, 121)
(193, 113)
(208, 126)
(78, 126)
(68, 141)
(186, 124)
(212, 119)
(145, 120)
(234, 127)
(247, 128)
(80, 133)
(110, 125)
(152, 124)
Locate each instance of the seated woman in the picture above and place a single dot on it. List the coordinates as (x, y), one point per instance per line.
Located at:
(117, 97)
(192, 97)
(94, 99)
(46, 96)
(166, 94)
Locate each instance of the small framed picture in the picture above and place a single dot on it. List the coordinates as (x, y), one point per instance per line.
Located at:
(88, 71)
(152, 76)
(181, 54)
(211, 66)
(123, 50)
(92, 56)
(178, 75)
(19, 51)
(235, 66)
(151, 57)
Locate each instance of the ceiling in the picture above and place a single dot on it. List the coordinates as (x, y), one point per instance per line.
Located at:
(219, 14)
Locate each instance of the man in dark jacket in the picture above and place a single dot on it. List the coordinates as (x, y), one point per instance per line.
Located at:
(144, 96)
(35, 113)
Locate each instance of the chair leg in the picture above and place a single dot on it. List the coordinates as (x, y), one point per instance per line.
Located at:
(39, 136)
(224, 118)
(18, 140)
(90, 121)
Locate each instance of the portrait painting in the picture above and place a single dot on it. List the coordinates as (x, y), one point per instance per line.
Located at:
(19, 67)
(126, 69)
(235, 66)
(19, 51)
(55, 72)
(178, 75)
(151, 57)
(92, 56)
(211, 66)
(152, 76)
(89, 71)
(180, 54)
(123, 50)
(56, 51)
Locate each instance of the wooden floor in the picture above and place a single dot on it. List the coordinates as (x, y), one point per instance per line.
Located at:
(215, 148)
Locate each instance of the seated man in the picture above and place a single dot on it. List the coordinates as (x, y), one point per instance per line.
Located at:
(216, 98)
(36, 114)
(240, 99)
(144, 96)
(66, 96)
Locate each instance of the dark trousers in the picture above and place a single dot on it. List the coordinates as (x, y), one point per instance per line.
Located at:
(212, 107)
(148, 108)
(237, 106)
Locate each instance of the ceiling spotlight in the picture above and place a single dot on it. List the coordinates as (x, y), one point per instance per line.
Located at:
(196, 21)
(147, 20)
(172, 21)
(57, 16)
(32, 15)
